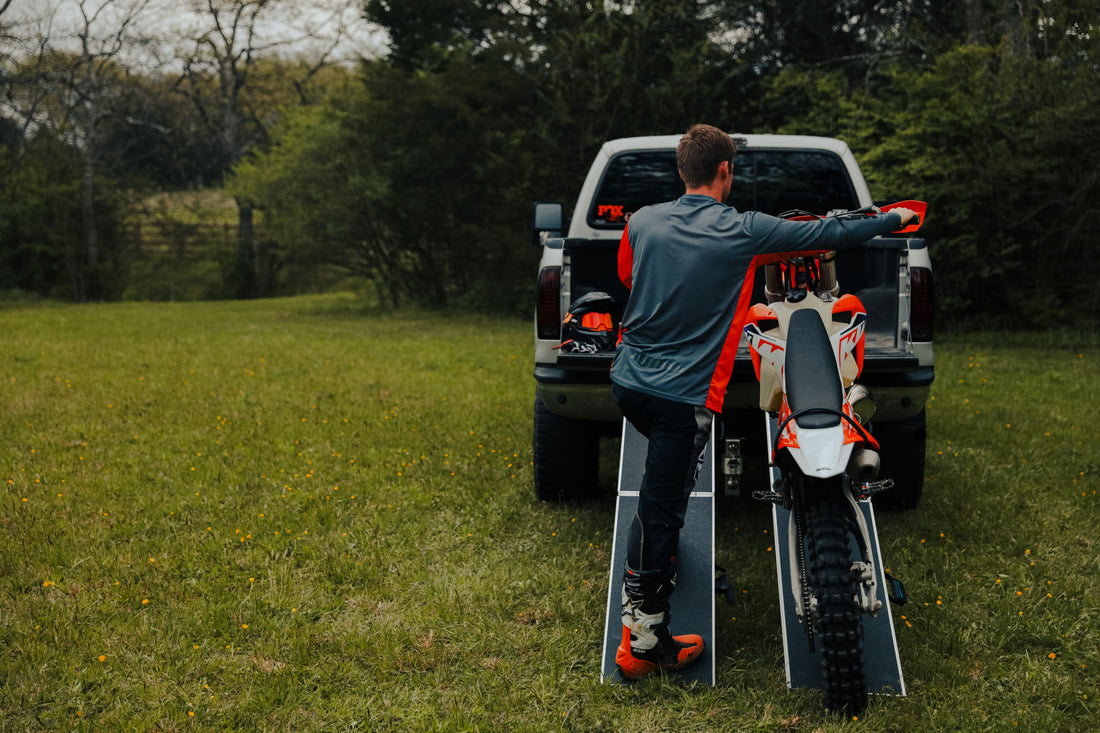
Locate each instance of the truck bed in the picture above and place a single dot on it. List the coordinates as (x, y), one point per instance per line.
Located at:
(871, 273)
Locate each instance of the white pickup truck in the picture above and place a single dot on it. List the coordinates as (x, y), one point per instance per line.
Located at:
(773, 174)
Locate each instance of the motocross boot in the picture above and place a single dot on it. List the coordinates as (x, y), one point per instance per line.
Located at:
(647, 644)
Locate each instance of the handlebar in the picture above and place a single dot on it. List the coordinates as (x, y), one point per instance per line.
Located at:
(792, 277)
(918, 207)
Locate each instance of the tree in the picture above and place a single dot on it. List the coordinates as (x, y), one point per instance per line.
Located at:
(320, 193)
(605, 71)
(68, 94)
(423, 179)
(483, 105)
(216, 73)
(422, 33)
(155, 138)
(91, 83)
(999, 144)
(220, 77)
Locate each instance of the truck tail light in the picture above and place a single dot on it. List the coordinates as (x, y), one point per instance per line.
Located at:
(921, 304)
(547, 306)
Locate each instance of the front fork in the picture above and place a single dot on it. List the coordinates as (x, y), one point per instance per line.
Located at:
(864, 567)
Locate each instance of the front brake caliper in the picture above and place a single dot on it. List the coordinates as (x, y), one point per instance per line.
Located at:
(868, 600)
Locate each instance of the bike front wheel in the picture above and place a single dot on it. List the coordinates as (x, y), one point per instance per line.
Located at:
(838, 619)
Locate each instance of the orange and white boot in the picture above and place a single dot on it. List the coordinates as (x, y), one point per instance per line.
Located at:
(647, 645)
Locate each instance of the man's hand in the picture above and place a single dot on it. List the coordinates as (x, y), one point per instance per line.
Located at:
(907, 215)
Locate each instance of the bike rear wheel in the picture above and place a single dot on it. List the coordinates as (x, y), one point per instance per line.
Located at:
(838, 620)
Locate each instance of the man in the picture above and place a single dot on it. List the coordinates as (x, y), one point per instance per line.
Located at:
(689, 264)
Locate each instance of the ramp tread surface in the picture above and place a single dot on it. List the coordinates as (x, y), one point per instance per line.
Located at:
(881, 658)
(693, 601)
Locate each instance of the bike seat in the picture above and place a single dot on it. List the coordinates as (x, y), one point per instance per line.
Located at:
(812, 377)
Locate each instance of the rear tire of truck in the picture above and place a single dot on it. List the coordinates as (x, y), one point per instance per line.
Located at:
(567, 456)
(901, 449)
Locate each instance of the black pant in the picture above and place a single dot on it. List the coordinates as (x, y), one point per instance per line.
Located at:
(678, 435)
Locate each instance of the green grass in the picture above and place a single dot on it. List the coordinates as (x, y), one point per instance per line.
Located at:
(302, 514)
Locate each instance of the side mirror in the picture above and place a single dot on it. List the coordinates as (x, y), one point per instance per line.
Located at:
(548, 222)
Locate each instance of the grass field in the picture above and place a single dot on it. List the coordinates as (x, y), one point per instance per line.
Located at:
(302, 514)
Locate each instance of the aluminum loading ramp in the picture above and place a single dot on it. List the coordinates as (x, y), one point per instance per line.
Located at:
(693, 601)
(882, 663)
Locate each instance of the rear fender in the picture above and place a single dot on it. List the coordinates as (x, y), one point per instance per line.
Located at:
(822, 452)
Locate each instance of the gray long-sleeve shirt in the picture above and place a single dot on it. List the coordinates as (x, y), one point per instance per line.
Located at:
(690, 265)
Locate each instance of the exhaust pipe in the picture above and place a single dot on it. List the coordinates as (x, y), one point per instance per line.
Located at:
(864, 465)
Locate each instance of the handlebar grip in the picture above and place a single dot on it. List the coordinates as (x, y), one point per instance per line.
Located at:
(917, 207)
(912, 226)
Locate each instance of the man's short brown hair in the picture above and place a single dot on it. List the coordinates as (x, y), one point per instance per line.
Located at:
(701, 150)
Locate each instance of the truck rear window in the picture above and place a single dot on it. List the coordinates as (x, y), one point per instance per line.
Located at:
(772, 181)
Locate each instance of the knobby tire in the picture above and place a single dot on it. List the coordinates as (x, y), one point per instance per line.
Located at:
(838, 627)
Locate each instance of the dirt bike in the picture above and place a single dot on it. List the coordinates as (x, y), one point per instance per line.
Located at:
(807, 349)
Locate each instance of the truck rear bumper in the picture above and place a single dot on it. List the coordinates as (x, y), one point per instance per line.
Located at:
(579, 395)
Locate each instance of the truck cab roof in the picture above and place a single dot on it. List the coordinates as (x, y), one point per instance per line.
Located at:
(665, 142)
(772, 173)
